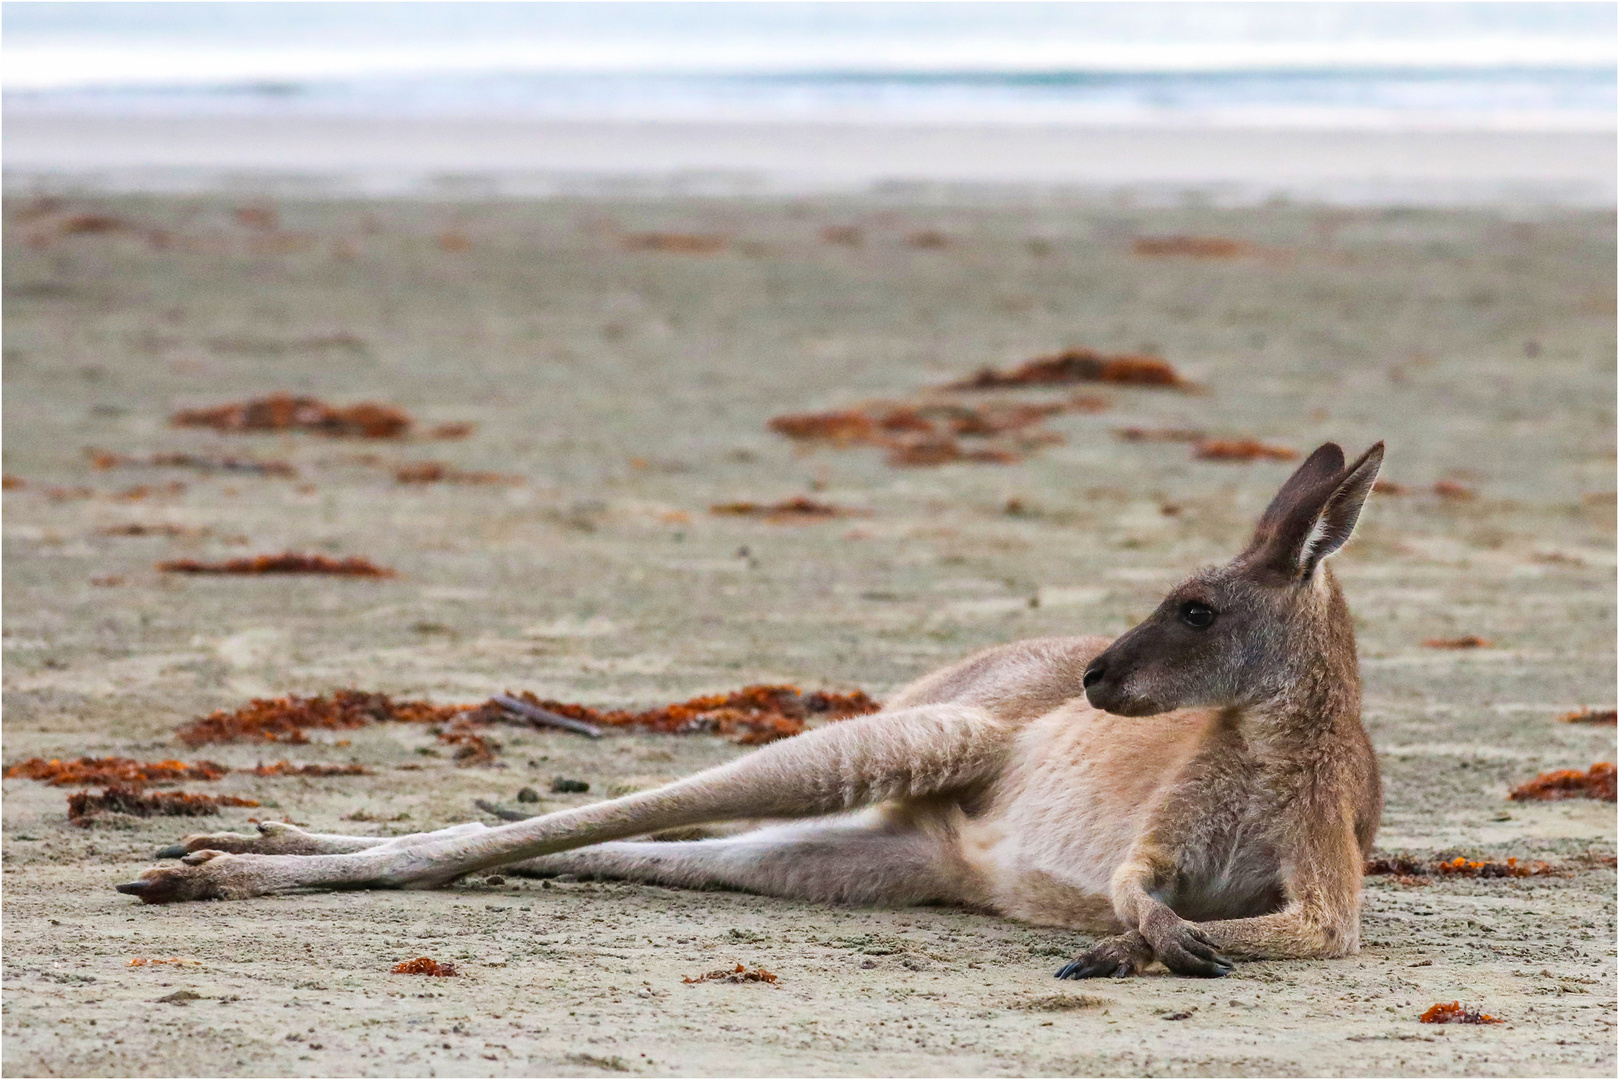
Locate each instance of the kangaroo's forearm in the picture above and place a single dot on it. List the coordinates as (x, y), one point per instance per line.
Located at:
(1290, 934)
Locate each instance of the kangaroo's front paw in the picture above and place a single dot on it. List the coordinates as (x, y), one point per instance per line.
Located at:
(273, 838)
(1114, 957)
(202, 875)
(1186, 950)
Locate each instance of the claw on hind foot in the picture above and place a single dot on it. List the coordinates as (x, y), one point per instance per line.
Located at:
(168, 885)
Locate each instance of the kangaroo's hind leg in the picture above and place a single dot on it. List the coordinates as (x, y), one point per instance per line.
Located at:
(280, 838)
(903, 754)
(867, 859)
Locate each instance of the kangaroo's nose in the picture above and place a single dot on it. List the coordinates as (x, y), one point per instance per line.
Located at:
(1094, 674)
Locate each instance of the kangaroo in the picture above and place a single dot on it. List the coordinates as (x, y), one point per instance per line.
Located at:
(1201, 788)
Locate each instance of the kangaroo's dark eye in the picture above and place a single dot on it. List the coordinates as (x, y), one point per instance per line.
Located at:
(1197, 616)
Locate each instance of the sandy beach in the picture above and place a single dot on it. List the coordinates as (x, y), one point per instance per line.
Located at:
(488, 156)
(620, 385)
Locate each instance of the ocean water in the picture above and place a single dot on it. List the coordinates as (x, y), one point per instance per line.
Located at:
(1413, 66)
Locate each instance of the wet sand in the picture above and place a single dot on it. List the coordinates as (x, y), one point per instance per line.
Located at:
(463, 157)
(629, 390)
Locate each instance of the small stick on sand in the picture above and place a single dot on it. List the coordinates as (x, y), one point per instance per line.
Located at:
(545, 717)
(502, 812)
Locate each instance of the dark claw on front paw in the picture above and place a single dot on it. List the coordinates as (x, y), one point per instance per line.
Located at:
(1192, 953)
(134, 888)
(173, 851)
(1087, 968)
(1115, 958)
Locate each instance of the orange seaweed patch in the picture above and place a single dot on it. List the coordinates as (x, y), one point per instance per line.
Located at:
(1089, 403)
(1596, 783)
(142, 961)
(285, 563)
(751, 716)
(1241, 450)
(1407, 866)
(12, 483)
(1196, 247)
(1450, 489)
(284, 412)
(114, 770)
(1389, 487)
(678, 243)
(456, 430)
(843, 235)
(145, 491)
(1591, 716)
(470, 747)
(287, 768)
(1076, 366)
(141, 528)
(85, 224)
(289, 719)
(424, 965)
(1468, 641)
(798, 508)
(943, 450)
(118, 799)
(106, 459)
(845, 427)
(739, 974)
(434, 472)
(1455, 1014)
(930, 433)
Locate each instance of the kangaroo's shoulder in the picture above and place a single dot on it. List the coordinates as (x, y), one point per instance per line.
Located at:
(1018, 680)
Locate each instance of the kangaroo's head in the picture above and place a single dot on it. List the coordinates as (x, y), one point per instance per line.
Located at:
(1244, 633)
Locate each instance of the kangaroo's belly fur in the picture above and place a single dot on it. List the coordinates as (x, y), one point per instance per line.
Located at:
(1079, 788)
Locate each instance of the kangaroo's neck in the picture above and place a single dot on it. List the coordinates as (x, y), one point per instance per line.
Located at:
(1320, 688)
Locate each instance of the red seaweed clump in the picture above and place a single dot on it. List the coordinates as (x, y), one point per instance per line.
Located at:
(286, 563)
(1607, 717)
(798, 508)
(424, 965)
(1596, 783)
(739, 974)
(285, 412)
(290, 719)
(752, 716)
(1410, 870)
(1455, 1014)
(113, 770)
(1076, 366)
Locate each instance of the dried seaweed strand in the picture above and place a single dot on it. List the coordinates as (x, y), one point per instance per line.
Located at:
(118, 799)
(285, 563)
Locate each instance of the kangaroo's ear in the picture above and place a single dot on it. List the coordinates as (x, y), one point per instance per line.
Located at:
(1315, 512)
